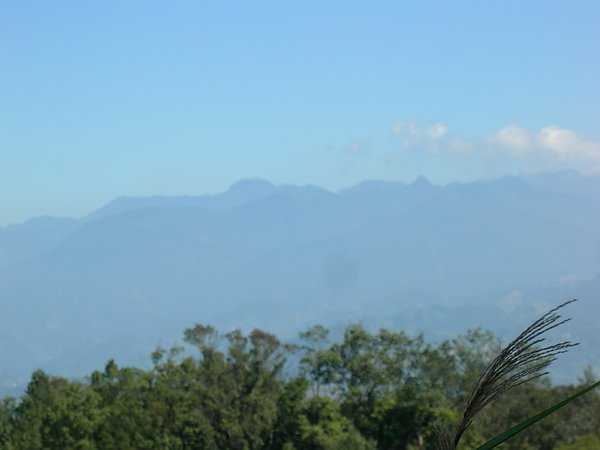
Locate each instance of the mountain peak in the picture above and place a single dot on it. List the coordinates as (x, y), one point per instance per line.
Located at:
(421, 181)
(252, 185)
(373, 185)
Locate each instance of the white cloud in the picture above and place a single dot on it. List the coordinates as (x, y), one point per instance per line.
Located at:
(514, 139)
(551, 140)
(568, 144)
(511, 149)
(416, 131)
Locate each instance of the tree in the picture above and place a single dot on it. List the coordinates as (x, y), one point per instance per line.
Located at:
(56, 414)
(317, 362)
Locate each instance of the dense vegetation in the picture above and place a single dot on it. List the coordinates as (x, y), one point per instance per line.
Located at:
(384, 390)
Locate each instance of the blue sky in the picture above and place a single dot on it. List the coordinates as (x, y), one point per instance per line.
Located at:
(101, 99)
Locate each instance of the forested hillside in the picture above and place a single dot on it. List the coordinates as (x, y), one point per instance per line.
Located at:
(366, 391)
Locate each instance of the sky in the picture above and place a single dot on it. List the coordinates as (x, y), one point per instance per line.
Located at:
(102, 99)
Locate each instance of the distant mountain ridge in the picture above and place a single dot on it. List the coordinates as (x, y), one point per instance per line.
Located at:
(136, 272)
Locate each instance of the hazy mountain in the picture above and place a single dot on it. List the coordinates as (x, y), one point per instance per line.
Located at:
(138, 271)
(19, 242)
(568, 182)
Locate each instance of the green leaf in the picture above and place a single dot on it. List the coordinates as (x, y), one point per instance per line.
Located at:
(527, 423)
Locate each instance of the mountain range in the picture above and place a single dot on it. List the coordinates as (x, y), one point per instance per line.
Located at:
(440, 259)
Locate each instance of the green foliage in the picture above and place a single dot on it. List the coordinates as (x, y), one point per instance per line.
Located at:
(7, 413)
(324, 427)
(384, 390)
(511, 432)
(587, 442)
(55, 414)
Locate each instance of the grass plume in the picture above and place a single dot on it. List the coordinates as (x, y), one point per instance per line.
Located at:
(522, 360)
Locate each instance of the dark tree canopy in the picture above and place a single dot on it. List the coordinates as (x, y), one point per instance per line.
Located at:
(383, 390)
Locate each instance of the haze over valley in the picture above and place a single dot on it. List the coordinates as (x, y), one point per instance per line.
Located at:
(413, 256)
